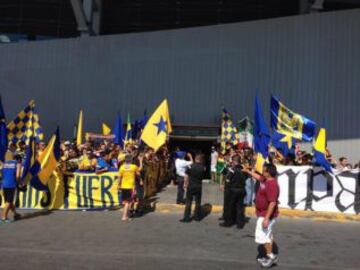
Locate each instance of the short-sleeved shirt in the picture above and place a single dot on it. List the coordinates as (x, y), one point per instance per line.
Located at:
(268, 192)
(214, 158)
(9, 174)
(127, 173)
(101, 164)
(181, 165)
(196, 173)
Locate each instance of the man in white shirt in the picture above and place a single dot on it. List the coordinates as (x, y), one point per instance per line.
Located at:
(181, 166)
(214, 159)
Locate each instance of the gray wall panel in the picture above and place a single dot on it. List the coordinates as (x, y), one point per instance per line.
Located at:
(311, 62)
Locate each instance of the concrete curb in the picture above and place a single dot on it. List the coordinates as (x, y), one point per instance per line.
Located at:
(289, 213)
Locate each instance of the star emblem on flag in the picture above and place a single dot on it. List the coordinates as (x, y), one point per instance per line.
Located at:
(287, 139)
(161, 125)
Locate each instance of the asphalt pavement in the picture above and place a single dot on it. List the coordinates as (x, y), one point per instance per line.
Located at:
(100, 240)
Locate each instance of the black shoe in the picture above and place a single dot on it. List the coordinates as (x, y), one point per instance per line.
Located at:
(185, 220)
(221, 218)
(240, 226)
(226, 225)
(17, 217)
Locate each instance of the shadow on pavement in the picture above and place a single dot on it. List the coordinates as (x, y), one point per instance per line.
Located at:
(40, 213)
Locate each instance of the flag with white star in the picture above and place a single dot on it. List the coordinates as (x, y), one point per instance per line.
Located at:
(158, 127)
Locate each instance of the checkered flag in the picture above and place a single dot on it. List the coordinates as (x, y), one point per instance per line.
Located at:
(25, 126)
(229, 133)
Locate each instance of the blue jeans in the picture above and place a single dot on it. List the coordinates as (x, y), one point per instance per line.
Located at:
(180, 189)
(249, 187)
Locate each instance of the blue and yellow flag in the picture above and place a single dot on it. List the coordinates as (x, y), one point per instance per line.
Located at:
(46, 163)
(29, 160)
(25, 126)
(261, 137)
(3, 133)
(320, 150)
(284, 143)
(158, 127)
(128, 133)
(287, 122)
(229, 133)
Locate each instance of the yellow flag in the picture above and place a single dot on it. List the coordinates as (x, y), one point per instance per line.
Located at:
(320, 143)
(260, 161)
(105, 128)
(80, 129)
(158, 127)
(48, 161)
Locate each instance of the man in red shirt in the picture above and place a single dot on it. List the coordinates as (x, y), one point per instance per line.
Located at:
(266, 204)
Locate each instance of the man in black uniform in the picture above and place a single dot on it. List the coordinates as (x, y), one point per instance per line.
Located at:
(234, 212)
(226, 186)
(193, 185)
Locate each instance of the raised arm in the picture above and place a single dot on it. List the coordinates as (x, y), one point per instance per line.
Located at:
(190, 157)
(253, 174)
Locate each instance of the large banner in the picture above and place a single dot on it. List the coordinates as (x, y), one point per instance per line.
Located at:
(309, 188)
(302, 188)
(77, 191)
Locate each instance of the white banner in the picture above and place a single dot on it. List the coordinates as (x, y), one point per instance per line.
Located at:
(309, 188)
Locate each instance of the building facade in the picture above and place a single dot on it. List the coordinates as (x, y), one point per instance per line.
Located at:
(311, 62)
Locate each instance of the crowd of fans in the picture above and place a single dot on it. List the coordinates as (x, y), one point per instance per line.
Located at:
(97, 156)
(296, 157)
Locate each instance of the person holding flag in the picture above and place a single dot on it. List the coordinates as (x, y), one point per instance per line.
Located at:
(11, 176)
(266, 198)
(39, 170)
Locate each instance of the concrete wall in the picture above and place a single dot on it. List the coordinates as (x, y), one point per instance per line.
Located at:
(311, 62)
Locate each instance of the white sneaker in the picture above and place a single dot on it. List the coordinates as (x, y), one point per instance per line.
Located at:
(268, 262)
(261, 260)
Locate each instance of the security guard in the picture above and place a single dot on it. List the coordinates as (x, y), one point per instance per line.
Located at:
(226, 186)
(193, 185)
(234, 210)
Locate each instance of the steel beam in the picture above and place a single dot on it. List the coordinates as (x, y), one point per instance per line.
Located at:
(80, 17)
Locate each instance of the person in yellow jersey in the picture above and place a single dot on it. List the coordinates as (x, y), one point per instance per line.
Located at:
(127, 177)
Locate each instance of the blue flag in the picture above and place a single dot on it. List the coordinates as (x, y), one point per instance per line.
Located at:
(144, 120)
(261, 136)
(136, 132)
(287, 122)
(118, 131)
(29, 160)
(284, 143)
(3, 133)
(320, 151)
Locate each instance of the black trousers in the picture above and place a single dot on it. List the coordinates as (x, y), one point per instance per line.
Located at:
(226, 200)
(180, 189)
(193, 194)
(234, 213)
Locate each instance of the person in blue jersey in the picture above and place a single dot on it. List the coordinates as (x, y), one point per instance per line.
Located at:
(102, 163)
(11, 176)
